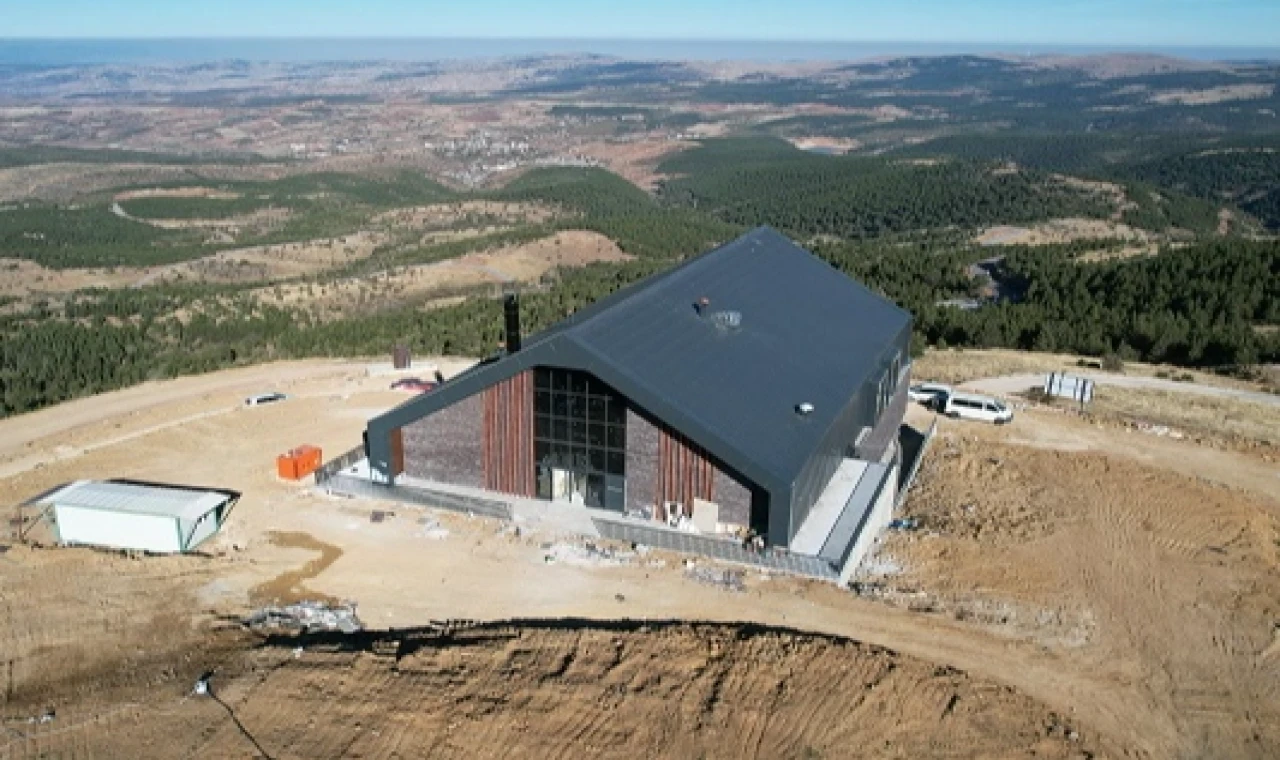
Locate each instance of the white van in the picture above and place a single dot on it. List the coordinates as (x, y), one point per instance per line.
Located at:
(929, 394)
(969, 406)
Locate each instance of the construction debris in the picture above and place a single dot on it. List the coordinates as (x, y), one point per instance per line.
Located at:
(731, 580)
(586, 555)
(306, 617)
(432, 529)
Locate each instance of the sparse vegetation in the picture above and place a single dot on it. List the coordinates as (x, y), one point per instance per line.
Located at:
(941, 152)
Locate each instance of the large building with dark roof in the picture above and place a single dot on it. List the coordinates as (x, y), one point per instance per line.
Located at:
(727, 392)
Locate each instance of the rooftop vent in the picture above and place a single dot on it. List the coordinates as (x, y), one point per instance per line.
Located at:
(804, 409)
(726, 320)
(701, 305)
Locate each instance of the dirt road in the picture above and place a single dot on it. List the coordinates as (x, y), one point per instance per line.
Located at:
(1021, 383)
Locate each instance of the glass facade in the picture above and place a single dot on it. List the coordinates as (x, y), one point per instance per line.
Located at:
(580, 439)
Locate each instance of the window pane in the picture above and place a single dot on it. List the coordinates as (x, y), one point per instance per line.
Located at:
(596, 408)
(597, 459)
(542, 402)
(541, 450)
(544, 482)
(617, 411)
(616, 437)
(578, 382)
(616, 463)
(595, 491)
(542, 378)
(559, 405)
(559, 380)
(595, 434)
(614, 493)
(560, 429)
(578, 431)
(542, 426)
(575, 407)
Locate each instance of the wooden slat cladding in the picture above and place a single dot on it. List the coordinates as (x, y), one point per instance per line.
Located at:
(397, 451)
(685, 471)
(507, 448)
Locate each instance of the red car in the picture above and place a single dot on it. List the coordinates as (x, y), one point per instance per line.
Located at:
(413, 384)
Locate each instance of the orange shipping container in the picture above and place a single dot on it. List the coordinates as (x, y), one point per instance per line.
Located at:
(298, 463)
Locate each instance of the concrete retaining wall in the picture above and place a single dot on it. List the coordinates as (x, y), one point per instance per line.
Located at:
(877, 520)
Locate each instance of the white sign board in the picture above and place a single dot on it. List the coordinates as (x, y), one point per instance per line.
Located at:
(1069, 386)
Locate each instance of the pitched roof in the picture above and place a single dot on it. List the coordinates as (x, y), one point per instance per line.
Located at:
(186, 504)
(804, 333)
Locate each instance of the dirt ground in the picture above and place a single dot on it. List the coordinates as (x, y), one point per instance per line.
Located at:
(24, 279)
(448, 216)
(833, 145)
(1138, 242)
(1211, 95)
(1072, 591)
(177, 192)
(27, 280)
(526, 262)
(273, 262)
(961, 365)
(1229, 421)
(544, 689)
(636, 160)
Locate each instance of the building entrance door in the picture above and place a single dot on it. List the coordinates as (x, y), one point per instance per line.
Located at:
(569, 486)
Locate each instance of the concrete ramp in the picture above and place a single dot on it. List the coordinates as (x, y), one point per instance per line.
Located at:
(856, 505)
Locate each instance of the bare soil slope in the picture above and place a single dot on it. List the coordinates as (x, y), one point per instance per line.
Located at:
(1169, 583)
(561, 689)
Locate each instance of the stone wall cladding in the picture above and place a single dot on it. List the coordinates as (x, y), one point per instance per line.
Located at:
(446, 446)
(733, 497)
(642, 462)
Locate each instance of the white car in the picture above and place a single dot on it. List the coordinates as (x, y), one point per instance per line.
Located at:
(970, 406)
(264, 398)
(929, 393)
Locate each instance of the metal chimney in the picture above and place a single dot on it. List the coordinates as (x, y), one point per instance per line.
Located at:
(511, 309)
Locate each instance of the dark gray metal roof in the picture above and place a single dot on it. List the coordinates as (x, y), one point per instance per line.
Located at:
(807, 334)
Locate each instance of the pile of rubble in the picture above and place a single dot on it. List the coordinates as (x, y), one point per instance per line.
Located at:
(306, 617)
(588, 554)
(731, 580)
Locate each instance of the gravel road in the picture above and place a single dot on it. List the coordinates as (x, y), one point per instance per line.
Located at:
(1019, 383)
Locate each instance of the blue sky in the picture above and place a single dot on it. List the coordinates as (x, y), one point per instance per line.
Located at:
(1095, 22)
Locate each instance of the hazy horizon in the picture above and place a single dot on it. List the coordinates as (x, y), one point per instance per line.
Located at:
(127, 50)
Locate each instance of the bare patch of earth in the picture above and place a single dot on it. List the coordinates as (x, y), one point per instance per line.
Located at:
(637, 161)
(1131, 240)
(271, 262)
(1224, 94)
(525, 263)
(177, 192)
(1110, 190)
(22, 279)
(832, 145)
(467, 215)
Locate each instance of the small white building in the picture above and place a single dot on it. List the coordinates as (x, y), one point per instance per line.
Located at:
(137, 516)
